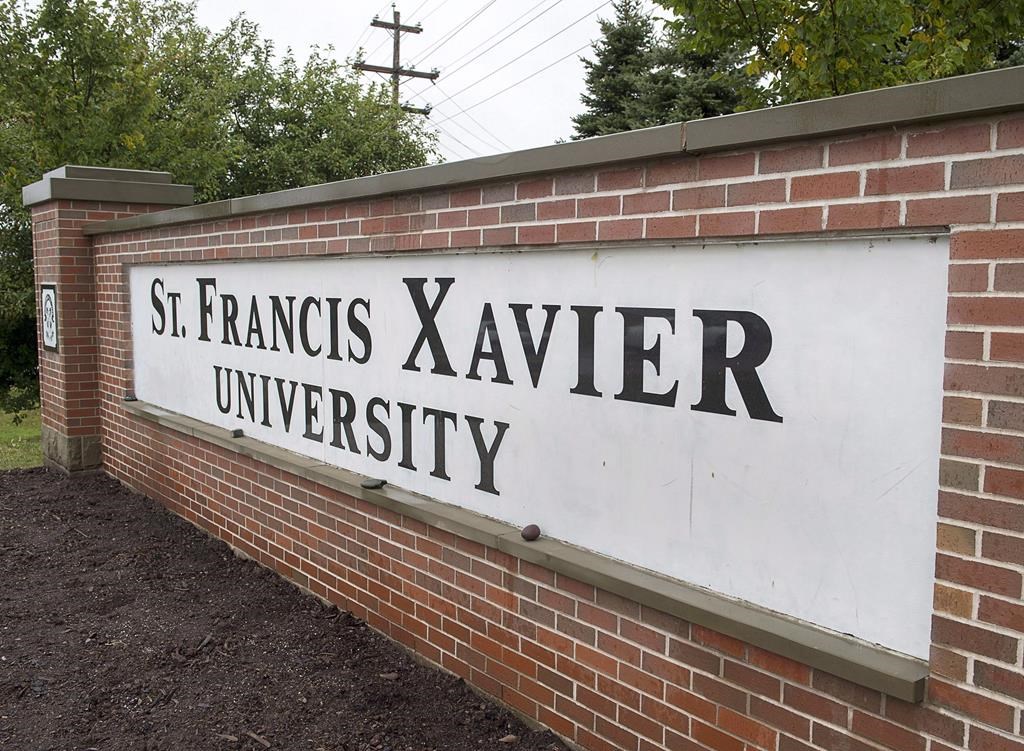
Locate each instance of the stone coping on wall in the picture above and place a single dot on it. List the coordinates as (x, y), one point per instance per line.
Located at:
(932, 101)
(869, 665)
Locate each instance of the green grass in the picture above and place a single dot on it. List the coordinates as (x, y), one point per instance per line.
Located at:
(19, 444)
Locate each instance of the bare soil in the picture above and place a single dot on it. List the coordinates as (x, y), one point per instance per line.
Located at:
(123, 627)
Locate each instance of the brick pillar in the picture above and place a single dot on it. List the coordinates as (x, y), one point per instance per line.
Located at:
(63, 202)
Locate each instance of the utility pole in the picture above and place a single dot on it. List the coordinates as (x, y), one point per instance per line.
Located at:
(396, 71)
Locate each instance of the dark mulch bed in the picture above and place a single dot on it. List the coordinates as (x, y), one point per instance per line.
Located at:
(122, 627)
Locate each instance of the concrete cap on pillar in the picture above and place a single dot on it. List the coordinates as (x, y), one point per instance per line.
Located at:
(107, 184)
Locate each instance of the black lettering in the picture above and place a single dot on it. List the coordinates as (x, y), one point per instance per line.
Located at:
(334, 336)
(287, 404)
(205, 307)
(486, 453)
(429, 334)
(585, 349)
(378, 427)
(494, 353)
(440, 418)
(313, 399)
(266, 400)
(158, 306)
(635, 356)
(407, 410)
(174, 298)
(230, 311)
(535, 353)
(360, 329)
(343, 420)
(255, 326)
(283, 322)
(757, 345)
(309, 302)
(246, 393)
(221, 405)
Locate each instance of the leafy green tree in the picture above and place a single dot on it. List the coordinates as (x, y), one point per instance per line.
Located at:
(640, 78)
(140, 84)
(807, 49)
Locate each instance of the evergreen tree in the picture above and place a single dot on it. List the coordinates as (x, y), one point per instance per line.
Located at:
(614, 79)
(640, 78)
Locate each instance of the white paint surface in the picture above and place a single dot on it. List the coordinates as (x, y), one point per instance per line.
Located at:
(828, 516)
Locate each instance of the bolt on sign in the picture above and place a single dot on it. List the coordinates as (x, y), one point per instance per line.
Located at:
(761, 420)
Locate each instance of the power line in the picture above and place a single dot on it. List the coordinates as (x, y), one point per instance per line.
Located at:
(512, 86)
(489, 144)
(366, 32)
(448, 133)
(483, 127)
(534, 47)
(454, 32)
(507, 36)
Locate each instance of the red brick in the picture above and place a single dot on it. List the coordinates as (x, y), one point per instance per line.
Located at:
(948, 664)
(641, 680)
(599, 206)
(886, 733)
(1003, 548)
(466, 197)
(1009, 277)
(668, 171)
(846, 691)
(1010, 207)
(595, 701)
(964, 345)
(535, 188)
(1000, 680)
(1009, 615)
(1008, 516)
(500, 236)
(695, 657)
(1010, 133)
(876, 148)
(977, 173)
(622, 738)
(478, 217)
(1000, 448)
(642, 635)
(746, 728)
(762, 191)
(752, 680)
(537, 234)
(719, 692)
(835, 740)
(1002, 380)
(973, 639)
(666, 670)
(924, 719)
(734, 223)
(830, 184)
(563, 209)
(864, 215)
(968, 277)
(576, 232)
(621, 229)
(935, 212)
(467, 238)
(985, 740)
(620, 692)
(719, 167)
(574, 711)
(815, 705)
(638, 723)
(708, 197)
(592, 742)
(986, 311)
(620, 179)
(646, 203)
(1005, 482)
(973, 705)
(949, 140)
(671, 226)
(994, 244)
(781, 221)
(791, 159)
(776, 716)
(714, 738)
(914, 179)
(690, 703)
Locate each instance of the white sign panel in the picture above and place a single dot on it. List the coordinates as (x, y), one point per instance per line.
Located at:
(761, 420)
(48, 303)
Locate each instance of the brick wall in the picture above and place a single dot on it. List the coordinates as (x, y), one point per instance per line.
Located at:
(601, 670)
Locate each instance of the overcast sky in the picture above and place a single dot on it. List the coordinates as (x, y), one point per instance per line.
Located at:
(515, 39)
